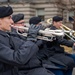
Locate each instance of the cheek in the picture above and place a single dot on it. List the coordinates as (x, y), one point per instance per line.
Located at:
(20, 25)
(6, 22)
(59, 24)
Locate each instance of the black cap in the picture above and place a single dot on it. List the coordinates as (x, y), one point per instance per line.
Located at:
(5, 11)
(57, 18)
(34, 20)
(17, 17)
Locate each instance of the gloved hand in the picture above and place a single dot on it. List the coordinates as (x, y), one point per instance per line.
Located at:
(39, 43)
(33, 31)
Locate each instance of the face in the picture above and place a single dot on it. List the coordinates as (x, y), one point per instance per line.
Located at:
(58, 24)
(20, 23)
(5, 23)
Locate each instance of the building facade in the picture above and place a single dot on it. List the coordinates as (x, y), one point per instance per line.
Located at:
(43, 8)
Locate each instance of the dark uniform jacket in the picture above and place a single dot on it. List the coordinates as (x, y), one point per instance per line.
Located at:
(30, 64)
(53, 54)
(14, 52)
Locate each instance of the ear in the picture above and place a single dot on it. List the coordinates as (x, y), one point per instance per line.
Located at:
(0, 21)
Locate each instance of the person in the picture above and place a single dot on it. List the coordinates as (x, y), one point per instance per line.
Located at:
(41, 54)
(15, 52)
(52, 54)
(57, 23)
(18, 21)
(32, 30)
(57, 53)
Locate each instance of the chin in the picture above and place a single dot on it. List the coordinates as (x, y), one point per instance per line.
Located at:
(9, 29)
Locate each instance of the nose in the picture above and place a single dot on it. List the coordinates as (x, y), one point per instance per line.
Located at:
(12, 22)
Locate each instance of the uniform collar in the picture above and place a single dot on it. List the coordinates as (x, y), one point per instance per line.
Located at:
(3, 33)
(53, 27)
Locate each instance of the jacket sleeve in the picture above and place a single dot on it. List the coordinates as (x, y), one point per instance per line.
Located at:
(20, 56)
(62, 41)
(65, 42)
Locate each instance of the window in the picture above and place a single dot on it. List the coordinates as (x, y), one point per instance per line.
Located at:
(40, 13)
(71, 16)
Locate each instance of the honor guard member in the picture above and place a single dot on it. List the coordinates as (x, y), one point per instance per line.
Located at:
(15, 52)
(52, 54)
(42, 55)
(56, 53)
(18, 21)
(34, 63)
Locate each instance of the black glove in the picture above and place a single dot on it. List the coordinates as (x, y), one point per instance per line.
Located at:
(39, 43)
(33, 31)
